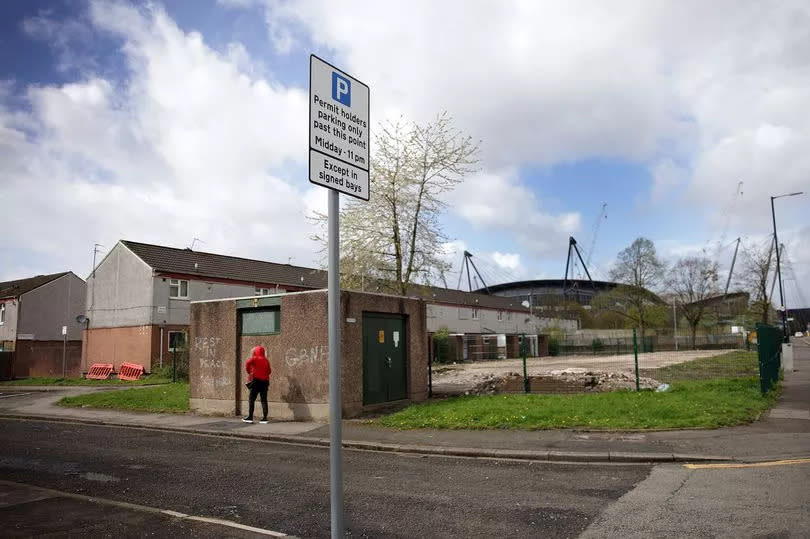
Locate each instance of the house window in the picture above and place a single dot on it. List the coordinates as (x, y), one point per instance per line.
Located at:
(177, 341)
(262, 291)
(475, 313)
(2, 313)
(509, 315)
(500, 316)
(178, 289)
(262, 321)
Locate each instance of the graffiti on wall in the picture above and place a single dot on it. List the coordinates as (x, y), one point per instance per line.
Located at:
(206, 349)
(302, 356)
(206, 352)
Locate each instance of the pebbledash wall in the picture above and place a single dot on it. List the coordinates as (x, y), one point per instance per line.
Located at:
(298, 353)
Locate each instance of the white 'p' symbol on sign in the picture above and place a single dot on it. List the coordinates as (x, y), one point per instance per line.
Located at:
(341, 89)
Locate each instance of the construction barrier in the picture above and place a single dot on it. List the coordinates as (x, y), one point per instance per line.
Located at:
(130, 371)
(99, 371)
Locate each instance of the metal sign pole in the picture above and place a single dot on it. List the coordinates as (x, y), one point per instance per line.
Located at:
(339, 160)
(335, 415)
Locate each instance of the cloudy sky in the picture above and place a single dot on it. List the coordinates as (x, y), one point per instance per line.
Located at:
(165, 122)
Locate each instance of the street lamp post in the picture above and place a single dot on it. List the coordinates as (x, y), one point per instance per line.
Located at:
(786, 337)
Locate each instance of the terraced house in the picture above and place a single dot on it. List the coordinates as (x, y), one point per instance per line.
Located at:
(38, 325)
(138, 297)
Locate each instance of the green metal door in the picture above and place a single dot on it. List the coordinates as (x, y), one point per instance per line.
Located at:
(384, 369)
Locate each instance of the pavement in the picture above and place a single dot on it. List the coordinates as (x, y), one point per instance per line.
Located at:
(781, 433)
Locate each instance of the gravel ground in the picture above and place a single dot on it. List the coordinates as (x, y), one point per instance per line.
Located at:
(464, 376)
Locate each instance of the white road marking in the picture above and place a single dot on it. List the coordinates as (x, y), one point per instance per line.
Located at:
(13, 395)
(148, 509)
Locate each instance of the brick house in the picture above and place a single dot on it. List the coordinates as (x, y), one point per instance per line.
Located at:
(138, 297)
(33, 313)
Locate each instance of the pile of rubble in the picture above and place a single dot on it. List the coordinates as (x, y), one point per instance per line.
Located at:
(491, 384)
(561, 381)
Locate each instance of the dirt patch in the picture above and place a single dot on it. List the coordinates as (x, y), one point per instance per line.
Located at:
(563, 381)
(566, 373)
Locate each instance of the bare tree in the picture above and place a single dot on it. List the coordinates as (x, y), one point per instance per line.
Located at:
(396, 236)
(693, 280)
(758, 271)
(639, 269)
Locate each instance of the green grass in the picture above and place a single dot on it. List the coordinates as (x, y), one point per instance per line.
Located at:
(699, 404)
(736, 364)
(58, 381)
(164, 398)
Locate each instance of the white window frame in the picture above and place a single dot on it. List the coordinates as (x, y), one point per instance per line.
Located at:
(500, 316)
(2, 313)
(179, 284)
(508, 316)
(475, 313)
(259, 291)
(169, 340)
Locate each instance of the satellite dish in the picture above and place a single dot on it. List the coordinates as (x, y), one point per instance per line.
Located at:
(525, 303)
(81, 319)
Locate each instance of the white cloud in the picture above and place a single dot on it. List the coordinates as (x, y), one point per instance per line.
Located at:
(498, 202)
(510, 261)
(704, 94)
(186, 146)
(537, 82)
(669, 179)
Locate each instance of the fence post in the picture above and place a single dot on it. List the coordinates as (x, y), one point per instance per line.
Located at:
(432, 345)
(523, 353)
(635, 355)
(64, 353)
(174, 364)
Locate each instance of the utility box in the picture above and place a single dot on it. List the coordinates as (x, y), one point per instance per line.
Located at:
(787, 358)
(384, 352)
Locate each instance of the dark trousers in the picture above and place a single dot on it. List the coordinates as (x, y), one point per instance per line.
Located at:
(259, 387)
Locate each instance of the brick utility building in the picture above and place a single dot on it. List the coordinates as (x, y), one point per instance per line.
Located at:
(384, 352)
(138, 297)
(33, 313)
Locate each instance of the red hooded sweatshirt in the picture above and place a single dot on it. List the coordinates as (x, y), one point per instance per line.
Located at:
(257, 366)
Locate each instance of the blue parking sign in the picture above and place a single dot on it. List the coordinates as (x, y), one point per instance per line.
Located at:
(341, 89)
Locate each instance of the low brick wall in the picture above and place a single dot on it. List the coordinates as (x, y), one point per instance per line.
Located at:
(44, 358)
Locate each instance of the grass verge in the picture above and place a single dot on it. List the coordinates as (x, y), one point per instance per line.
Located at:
(692, 404)
(736, 364)
(164, 398)
(58, 381)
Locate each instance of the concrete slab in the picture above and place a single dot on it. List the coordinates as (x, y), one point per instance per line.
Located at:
(789, 413)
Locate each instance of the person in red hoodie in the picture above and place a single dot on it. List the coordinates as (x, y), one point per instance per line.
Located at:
(258, 369)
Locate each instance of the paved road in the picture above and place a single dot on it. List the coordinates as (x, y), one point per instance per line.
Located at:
(285, 487)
